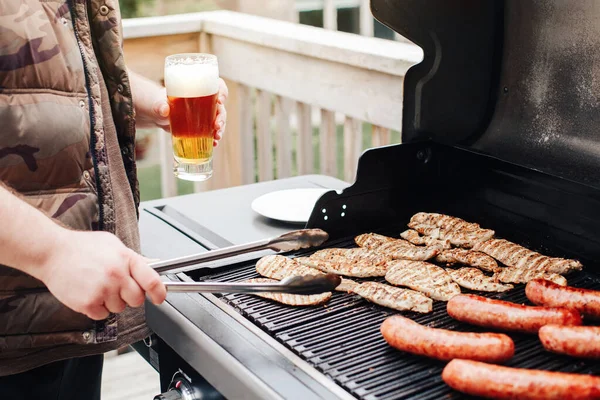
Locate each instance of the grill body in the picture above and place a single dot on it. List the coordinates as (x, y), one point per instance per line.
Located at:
(340, 341)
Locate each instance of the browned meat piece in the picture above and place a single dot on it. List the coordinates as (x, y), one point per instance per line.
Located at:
(427, 278)
(356, 269)
(393, 297)
(469, 257)
(442, 221)
(461, 238)
(413, 236)
(351, 255)
(400, 251)
(507, 316)
(291, 299)
(474, 279)
(513, 255)
(547, 293)
(407, 335)
(575, 341)
(517, 275)
(499, 382)
(279, 267)
(347, 285)
(374, 240)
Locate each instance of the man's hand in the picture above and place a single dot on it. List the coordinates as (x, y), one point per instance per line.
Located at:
(89, 272)
(94, 273)
(152, 108)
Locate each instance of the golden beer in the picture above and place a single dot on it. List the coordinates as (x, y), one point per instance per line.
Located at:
(192, 120)
(192, 82)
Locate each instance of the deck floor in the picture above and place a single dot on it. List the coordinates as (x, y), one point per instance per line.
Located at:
(128, 377)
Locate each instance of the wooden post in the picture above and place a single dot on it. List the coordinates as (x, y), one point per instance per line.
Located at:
(367, 26)
(329, 15)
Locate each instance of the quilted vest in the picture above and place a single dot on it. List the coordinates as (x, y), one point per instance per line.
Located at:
(67, 131)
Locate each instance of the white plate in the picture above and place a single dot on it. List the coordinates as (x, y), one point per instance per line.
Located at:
(291, 205)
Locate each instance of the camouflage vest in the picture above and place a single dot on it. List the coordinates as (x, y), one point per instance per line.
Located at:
(67, 146)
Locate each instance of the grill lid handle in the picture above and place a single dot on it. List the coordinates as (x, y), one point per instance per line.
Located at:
(295, 240)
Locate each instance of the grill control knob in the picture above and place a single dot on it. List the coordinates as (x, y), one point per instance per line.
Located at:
(170, 395)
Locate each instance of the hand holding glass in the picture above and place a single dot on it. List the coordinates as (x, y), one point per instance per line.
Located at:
(192, 82)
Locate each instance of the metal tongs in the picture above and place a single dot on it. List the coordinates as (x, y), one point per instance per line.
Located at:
(307, 284)
(295, 240)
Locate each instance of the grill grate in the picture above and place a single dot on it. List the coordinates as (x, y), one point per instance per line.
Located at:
(342, 339)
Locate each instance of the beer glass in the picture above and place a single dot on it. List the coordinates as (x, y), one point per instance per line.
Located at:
(192, 83)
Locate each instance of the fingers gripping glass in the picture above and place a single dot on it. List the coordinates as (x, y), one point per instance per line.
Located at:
(192, 82)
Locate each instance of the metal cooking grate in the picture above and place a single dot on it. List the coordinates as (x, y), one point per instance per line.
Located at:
(342, 339)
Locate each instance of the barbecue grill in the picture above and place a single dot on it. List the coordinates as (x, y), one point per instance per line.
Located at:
(498, 129)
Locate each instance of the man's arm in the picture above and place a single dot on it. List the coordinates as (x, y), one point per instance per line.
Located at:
(90, 272)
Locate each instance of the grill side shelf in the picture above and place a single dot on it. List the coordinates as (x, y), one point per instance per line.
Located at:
(341, 339)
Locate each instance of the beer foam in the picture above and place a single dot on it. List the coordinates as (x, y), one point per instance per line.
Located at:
(195, 80)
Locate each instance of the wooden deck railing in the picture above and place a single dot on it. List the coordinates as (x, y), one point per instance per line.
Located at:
(293, 89)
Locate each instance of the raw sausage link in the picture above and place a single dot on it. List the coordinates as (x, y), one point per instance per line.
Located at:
(406, 335)
(504, 315)
(576, 341)
(543, 292)
(499, 382)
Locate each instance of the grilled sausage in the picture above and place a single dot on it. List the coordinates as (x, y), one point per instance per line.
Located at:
(576, 341)
(546, 293)
(406, 335)
(504, 315)
(499, 382)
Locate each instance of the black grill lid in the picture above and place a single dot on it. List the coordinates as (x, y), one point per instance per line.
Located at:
(516, 79)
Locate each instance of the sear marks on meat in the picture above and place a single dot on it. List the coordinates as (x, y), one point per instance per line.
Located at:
(513, 255)
(469, 257)
(374, 240)
(415, 238)
(460, 238)
(356, 269)
(393, 297)
(517, 275)
(347, 285)
(291, 299)
(474, 279)
(279, 267)
(351, 255)
(399, 251)
(445, 222)
(427, 278)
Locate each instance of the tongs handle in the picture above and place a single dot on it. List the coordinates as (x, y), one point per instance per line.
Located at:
(213, 255)
(294, 240)
(223, 287)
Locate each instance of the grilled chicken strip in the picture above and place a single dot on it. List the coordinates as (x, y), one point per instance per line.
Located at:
(374, 240)
(427, 278)
(351, 255)
(291, 299)
(518, 275)
(279, 267)
(513, 255)
(413, 236)
(398, 249)
(442, 221)
(462, 238)
(356, 269)
(347, 285)
(393, 297)
(469, 257)
(474, 279)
